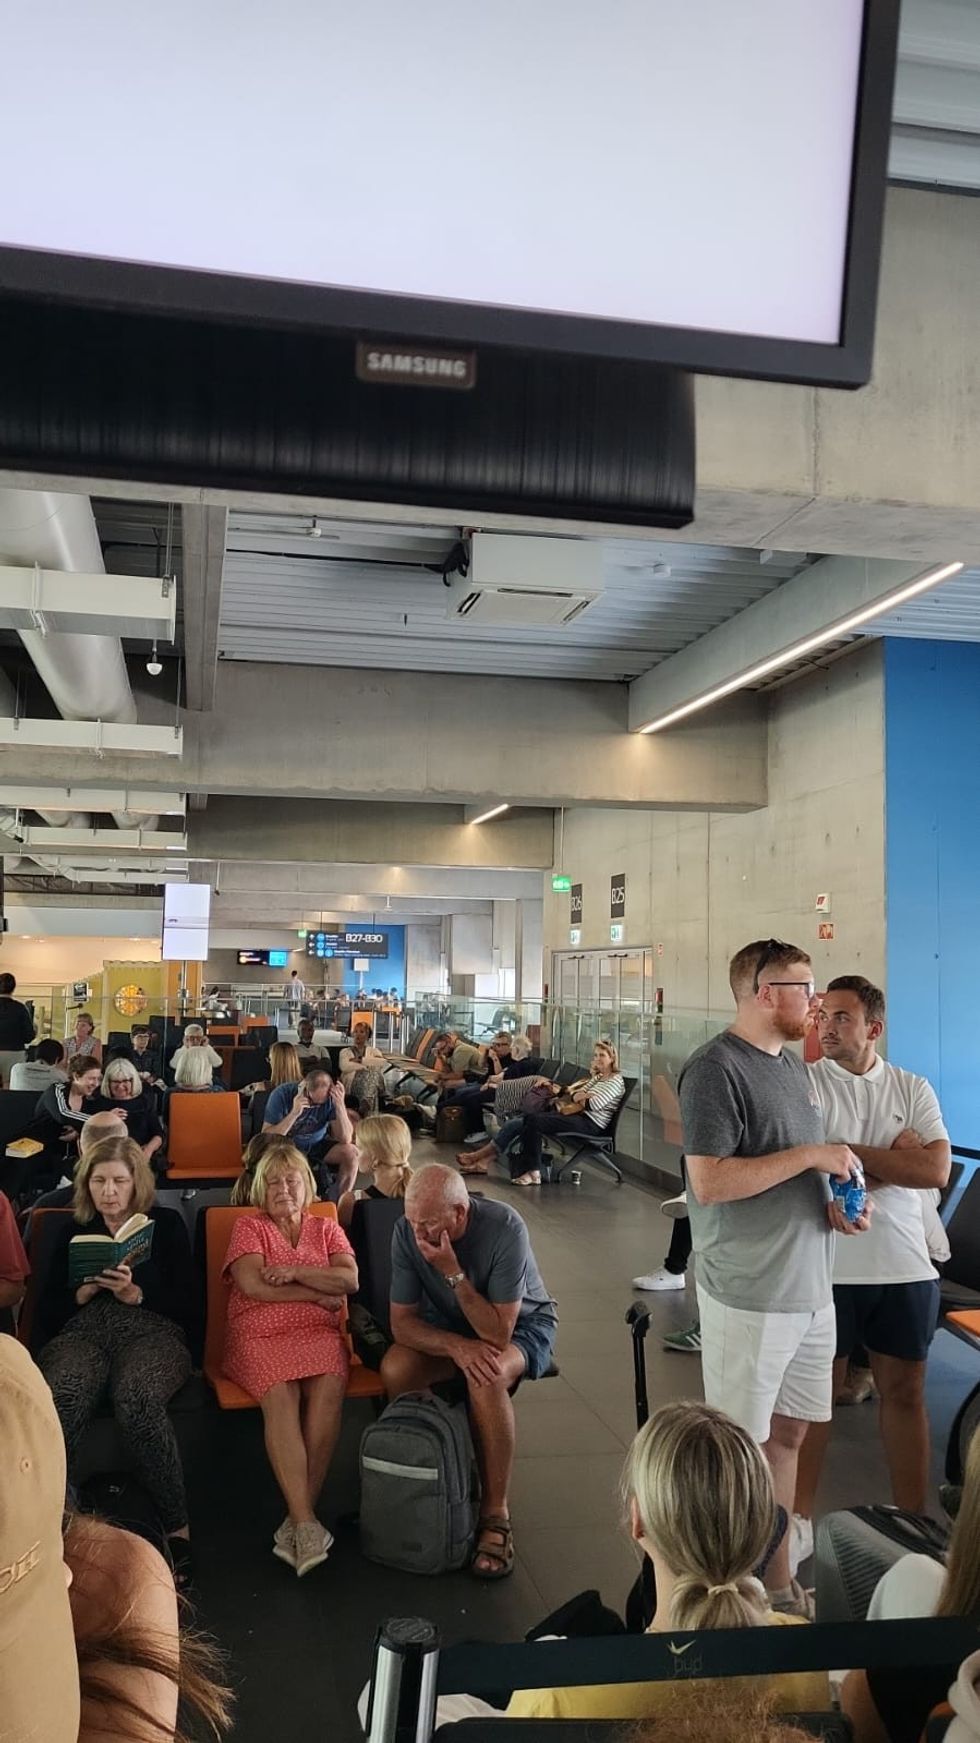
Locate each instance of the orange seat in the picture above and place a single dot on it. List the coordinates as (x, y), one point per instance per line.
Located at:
(226, 1033)
(966, 1319)
(45, 1224)
(218, 1220)
(204, 1140)
(253, 1023)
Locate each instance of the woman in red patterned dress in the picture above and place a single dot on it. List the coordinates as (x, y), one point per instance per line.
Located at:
(289, 1273)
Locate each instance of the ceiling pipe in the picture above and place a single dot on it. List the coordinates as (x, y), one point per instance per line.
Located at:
(85, 675)
(8, 818)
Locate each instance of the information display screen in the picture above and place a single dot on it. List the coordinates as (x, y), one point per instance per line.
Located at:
(637, 180)
(186, 914)
(349, 943)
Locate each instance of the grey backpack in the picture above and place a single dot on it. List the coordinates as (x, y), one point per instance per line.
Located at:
(417, 1487)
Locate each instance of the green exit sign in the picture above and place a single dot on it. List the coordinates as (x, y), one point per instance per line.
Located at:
(560, 884)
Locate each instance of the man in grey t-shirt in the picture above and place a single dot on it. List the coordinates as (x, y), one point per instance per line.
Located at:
(467, 1301)
(762, 1222)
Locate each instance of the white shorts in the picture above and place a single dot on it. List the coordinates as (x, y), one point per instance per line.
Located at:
(760, 1365)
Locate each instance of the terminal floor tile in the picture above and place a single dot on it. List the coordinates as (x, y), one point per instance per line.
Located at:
(300, 1650)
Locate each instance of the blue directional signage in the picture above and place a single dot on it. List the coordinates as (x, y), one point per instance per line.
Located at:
(336, 942)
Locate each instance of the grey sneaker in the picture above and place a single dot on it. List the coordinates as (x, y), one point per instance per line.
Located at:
(313, 1545)
(284, 1543)
(686, 1342)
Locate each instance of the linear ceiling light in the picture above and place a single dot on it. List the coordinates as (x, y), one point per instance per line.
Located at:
(494, 811)
(808, 645)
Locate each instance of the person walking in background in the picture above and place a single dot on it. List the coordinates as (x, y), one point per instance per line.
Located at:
(16, 1029)
(886, 1289)
(294, 992)
(762, 1221)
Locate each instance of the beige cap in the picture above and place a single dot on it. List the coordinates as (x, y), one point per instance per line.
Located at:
(39, 1699)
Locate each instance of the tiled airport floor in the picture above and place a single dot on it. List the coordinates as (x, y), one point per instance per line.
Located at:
(300, 1650)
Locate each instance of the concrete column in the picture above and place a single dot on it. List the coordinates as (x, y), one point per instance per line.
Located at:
(529, 955)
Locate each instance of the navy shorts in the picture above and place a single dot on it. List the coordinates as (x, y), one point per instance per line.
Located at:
(534, 1335)
(889, 1319)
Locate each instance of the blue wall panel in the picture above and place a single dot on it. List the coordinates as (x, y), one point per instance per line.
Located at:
(932, 870)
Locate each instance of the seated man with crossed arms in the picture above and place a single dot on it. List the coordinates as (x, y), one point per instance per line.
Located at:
(468, 1302)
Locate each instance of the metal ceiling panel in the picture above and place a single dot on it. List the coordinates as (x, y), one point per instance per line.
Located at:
(951, 613)
(346, 593)
(936, 114)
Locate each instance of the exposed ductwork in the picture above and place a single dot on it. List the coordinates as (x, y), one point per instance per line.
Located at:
(85, 675)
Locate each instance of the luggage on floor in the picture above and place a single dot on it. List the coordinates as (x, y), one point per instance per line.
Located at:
(451, 1124)
(641, 1600)
(853, 1548)
(417, 1486)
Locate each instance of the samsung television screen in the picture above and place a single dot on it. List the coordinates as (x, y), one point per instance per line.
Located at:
(694, 184)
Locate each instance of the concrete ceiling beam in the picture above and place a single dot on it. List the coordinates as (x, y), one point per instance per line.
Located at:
(391, 738)
(792, 621)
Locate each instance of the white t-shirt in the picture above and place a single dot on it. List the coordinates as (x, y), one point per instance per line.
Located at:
(913, 1586)
(872, 1109)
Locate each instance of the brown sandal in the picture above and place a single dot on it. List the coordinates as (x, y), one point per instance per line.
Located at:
(468, 1167)
(502, 1558)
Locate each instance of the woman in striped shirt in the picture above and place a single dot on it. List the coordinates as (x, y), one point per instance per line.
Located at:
(596, 1099)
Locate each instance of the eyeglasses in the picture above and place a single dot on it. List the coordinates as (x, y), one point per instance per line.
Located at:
(777, 947)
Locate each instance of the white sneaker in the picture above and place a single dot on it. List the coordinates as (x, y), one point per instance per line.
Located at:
(313, 1545)
(660, 1280)
(675, 1207)
(800, 1541)
(284, 1543)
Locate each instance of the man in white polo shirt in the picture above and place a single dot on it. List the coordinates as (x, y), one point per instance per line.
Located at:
(886, 1291)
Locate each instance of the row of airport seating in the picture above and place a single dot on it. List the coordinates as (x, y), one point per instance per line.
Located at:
(411, 1073)
(370, 1236)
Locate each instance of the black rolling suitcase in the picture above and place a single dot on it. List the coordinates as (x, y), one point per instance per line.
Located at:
(856, 1546)
(642, 1600)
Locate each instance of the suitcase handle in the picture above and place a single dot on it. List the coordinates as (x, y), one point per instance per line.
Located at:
(638, 1320)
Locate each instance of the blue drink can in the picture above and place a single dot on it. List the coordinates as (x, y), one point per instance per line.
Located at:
(851, 1194)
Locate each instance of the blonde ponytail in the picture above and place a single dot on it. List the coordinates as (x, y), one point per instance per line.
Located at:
(738, 1603)
(704, 1497)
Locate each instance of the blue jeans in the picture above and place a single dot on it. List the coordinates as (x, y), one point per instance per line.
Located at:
(508, 1133)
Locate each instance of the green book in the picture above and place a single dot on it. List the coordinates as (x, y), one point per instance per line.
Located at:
(90, 1255)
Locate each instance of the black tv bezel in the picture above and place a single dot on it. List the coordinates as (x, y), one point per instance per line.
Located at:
(97, 282)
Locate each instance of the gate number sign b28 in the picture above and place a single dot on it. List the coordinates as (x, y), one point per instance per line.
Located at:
(617, 896)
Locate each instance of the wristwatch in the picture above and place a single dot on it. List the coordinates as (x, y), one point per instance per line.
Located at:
(456, 1279)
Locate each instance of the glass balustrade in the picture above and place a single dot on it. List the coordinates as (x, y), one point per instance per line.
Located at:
(652, 1045)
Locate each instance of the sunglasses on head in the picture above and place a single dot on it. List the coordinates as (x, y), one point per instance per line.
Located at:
(775, 947)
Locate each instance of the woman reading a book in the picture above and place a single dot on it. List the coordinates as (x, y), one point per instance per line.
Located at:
(289, 1273)
(118, 1317)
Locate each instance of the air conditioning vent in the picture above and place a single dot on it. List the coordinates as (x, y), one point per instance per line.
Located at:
(526, 583)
